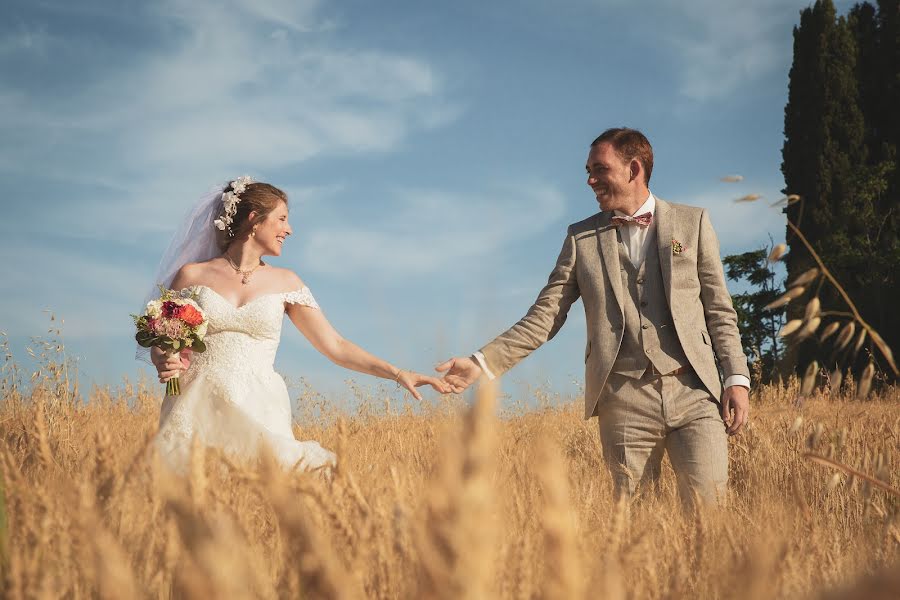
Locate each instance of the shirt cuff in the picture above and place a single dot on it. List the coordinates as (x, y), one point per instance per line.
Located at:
(740, 380)
(479, 358)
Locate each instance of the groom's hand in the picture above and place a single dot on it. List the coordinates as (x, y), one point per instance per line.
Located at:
(735, 408)
(461, 372)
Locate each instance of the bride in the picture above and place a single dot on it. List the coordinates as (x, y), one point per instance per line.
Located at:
(231, 397)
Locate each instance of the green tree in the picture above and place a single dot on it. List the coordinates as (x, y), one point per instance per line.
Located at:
(839, 155)
(759, 327)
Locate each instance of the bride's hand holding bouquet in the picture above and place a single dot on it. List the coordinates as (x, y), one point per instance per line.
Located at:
(173, 323)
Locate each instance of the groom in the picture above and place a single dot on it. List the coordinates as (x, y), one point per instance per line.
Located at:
(660, 328)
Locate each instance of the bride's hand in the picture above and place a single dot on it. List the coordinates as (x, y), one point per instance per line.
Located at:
(411, 380)
(169, 365)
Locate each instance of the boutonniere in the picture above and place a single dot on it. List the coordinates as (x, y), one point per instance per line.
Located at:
(677, 247)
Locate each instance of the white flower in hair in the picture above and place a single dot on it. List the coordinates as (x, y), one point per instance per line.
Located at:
(230, 200)
(240, 184)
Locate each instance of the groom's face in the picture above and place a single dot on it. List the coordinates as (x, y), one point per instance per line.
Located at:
(609, 176)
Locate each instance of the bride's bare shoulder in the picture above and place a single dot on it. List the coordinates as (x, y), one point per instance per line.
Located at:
(193, 274)
(288, 280)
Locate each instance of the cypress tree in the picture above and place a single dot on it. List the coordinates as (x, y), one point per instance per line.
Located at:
(824, 135)
(888, 127)
(839, 154)
(886, 116)
(870, 264)
(863, 23)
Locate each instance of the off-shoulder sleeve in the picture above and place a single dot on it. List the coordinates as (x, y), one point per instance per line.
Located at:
(302, 297)
(189, 291)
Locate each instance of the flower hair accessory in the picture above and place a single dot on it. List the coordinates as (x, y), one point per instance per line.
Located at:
(230, 200)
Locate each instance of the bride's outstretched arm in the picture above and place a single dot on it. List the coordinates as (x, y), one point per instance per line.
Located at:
(324, 338)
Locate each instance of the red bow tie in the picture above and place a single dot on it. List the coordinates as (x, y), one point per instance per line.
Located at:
(643, 220)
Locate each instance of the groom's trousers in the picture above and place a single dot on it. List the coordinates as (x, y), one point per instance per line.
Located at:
(641, 418)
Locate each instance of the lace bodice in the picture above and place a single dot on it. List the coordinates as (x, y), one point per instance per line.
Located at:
(241, 339)
(231, 397)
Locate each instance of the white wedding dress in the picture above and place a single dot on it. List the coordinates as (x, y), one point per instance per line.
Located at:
(231, 397)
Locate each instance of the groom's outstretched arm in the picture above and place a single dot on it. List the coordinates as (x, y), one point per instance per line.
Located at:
(542, 321)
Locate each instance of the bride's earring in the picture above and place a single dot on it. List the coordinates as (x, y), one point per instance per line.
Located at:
(253, 233)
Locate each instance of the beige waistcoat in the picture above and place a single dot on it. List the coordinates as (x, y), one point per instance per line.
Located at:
(649, 335)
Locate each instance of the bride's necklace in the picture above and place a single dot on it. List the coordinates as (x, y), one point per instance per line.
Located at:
(245, 275)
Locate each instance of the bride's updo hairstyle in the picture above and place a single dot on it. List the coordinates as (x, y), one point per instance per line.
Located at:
(259, 198)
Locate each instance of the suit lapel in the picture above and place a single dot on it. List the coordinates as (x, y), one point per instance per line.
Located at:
(609, 251)
(665, 233)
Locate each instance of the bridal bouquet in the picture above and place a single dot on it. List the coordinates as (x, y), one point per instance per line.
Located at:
(172, 322)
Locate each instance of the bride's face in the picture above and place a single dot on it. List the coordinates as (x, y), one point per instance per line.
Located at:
(273, 230)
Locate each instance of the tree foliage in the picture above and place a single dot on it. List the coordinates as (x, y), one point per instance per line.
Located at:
(759, 327)
(840, 156)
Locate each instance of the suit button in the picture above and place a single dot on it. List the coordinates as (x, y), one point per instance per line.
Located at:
(640, 280)
(645, 326)
(644, 303)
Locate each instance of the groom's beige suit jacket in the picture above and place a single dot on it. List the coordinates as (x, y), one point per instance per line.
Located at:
(589, 267)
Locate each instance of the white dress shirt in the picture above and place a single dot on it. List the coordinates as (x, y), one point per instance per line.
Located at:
(636, 240)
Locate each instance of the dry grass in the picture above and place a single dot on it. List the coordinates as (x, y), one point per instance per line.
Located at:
(439, 501)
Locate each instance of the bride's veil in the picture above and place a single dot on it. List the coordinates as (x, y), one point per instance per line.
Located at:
(194, 241)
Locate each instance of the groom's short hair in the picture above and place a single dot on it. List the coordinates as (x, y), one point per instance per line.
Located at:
(628, 144)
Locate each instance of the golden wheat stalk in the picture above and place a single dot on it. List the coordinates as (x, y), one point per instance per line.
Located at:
(791, 294)
(809, 378)
(777, 252)
(876, 338)
(804, 278)
(829, 330)
(822, 460)
(865, 381)
(790, 327)
(264, 533)
(456, 544)
(562, 561)
(110, 560)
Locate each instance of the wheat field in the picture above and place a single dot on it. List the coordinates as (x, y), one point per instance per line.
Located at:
(443, 499)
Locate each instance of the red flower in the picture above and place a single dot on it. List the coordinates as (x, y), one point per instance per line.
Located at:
(190, 315)
(170, 309)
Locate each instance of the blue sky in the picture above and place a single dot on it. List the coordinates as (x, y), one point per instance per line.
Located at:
(433, 153)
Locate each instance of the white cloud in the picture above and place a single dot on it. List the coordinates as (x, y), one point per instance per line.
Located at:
(740, 226)
(247, 86)
(723, 45)
(24, 40)
(427, 231)
(297, 15)
(94, 298)
(230, 94)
